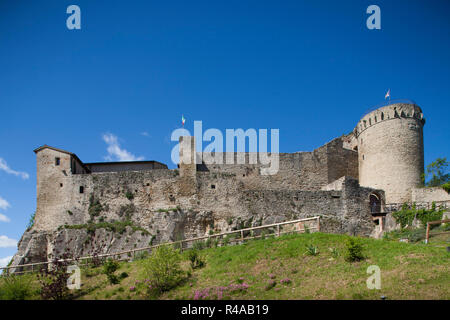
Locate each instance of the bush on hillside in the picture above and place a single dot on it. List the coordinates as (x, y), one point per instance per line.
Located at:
(14, 287)
(196, 259)
(354, 250)
(163, 268)
(109, 268)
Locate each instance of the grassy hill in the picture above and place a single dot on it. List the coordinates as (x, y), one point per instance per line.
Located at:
(280, 268)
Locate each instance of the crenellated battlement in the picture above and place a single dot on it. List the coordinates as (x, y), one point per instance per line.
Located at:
(389, 112)
(390, 149)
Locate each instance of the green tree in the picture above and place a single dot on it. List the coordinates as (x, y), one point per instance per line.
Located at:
(436, 173)
(163, 268)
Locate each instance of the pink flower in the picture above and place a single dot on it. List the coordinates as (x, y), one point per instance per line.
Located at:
(132, 288)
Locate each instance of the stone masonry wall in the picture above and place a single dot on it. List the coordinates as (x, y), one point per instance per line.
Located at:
(429, 194)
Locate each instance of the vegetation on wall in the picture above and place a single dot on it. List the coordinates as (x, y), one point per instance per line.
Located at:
(126, 211)
(406, 216)
(31, 221)
(446, 187)
(129, 195)
(95, 207)
(115, 226)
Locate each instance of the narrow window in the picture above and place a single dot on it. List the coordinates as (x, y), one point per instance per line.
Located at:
(61, 185)
(57, 161)
(81, 189)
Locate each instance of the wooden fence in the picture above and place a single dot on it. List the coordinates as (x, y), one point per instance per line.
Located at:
(277, 229)
(427, 236)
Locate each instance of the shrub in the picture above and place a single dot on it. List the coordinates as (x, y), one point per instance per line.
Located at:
(405, 216)
(163, 268)
(334, 252)
(312, 250)
(416, 235)
(109, 268)
(354, 250)
(196, 259)
(429, 215)
(446, 187)
(31, 221)
(226, 241)
(129, 195)
(141, 255)
(95, 207)
(15, 288)
(53, 279)
(198, 245)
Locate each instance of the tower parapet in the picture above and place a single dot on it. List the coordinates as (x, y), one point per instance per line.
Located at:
(390, 150)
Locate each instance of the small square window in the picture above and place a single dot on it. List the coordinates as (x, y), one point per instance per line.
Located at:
(57, 161)
(213, 186)
(81, 189)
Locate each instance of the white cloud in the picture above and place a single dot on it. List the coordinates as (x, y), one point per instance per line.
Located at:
(6, 242)
(4, 218)
(4, 261)
(145, 134)
(115, 152)
(4, 204)
(4, 166)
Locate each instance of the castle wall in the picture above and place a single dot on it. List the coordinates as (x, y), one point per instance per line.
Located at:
(297, 171)
(341, 161)
(158, 208)
(390, 146)
(57, 190)
(429, 195)
(125, 166)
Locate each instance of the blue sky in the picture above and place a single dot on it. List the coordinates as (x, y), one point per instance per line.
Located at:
(308, 68)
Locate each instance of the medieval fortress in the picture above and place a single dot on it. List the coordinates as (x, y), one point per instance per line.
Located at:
(115, 206)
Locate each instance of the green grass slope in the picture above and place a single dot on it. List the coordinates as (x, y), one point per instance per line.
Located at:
(280, 268)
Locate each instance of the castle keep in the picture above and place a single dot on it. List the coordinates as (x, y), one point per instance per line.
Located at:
(111, 207)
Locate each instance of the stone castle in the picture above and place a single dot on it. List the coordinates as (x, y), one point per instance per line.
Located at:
(116, 206)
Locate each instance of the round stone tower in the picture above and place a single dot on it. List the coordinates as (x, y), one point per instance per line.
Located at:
(390, 150)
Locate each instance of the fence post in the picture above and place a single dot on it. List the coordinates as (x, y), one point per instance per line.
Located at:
(318, 224)
(278, 230)
(242, 235)
(428, 233)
